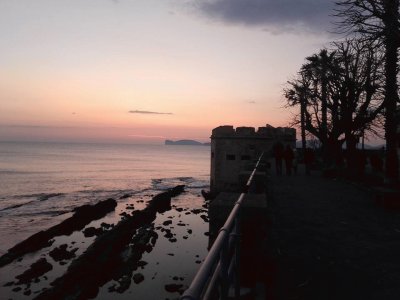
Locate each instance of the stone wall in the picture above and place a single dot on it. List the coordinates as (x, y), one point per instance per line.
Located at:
(236, 150)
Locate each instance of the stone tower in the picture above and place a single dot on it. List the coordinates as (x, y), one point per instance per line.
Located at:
(233, 150)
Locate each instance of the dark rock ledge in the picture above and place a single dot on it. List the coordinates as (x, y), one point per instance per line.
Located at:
(106, 258)
(83, 215)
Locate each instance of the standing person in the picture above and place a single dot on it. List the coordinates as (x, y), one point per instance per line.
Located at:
(278, 154)
(295, 161)
(288, 155)
(308, 159)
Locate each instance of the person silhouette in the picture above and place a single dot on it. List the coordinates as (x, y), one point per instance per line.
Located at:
(288, 156)
(278, 154)
(308, 159)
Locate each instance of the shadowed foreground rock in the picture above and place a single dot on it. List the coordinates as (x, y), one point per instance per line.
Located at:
(83, 215)
(106, 258)
(38, 268)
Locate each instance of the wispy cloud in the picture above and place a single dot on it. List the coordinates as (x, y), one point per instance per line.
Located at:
(146, 112)
(278, 16)
(251, 101)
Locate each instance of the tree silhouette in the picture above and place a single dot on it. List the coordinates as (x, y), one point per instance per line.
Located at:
(340, 96)
(378, 20)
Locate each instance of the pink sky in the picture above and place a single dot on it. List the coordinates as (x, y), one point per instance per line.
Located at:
(76, 70)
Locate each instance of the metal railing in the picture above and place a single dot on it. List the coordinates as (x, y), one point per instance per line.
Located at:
(221, 266)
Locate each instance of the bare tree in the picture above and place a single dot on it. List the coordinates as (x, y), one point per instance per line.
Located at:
(357, 89)
(378, 20)
(339, 94)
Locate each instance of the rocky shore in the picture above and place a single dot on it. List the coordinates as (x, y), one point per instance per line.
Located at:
(115, 251)
(83, 215)
(107, 248)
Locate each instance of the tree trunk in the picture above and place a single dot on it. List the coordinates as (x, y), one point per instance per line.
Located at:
(303, 124)
(351, 147)
(391, 96)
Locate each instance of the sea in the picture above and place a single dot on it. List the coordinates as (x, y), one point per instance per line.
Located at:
(41, 183)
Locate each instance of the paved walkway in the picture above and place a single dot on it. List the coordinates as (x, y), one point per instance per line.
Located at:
(329, 240)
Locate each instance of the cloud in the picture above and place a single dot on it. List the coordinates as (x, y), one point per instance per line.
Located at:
(251, 101)
(275, 16)
(145, 112)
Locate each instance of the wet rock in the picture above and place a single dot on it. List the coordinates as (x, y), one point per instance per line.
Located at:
(17, 289)
(168, 235)
(142, 263)
(205, 218)
(106, 225)
(177, 190)
(171, 254)
(37, 269)
(131, 207)
(206, 233)
(173, 288)
(27, 292)
(172, 240)
(162, 202)
(83, 215)
(124, 284)
(125, 196)
(198, 261)
(61, 253)
(185, 237)
(91, 231)
(181, 224)
(175, 278)
(168, 222)
(138, 278)
(189, 231)
(124, 214)
(207, 195)
(109, 252)
(153, 239)
(179, 209)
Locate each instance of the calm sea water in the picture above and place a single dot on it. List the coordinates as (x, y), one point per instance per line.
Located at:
(41, 182)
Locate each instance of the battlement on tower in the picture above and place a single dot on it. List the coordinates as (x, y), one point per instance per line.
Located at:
(233, 151)
(268, 131)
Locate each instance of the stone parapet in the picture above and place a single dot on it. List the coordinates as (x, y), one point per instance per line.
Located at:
(236, 150)
(228, 131)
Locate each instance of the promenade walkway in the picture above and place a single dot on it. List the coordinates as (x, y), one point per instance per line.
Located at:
(329, 240)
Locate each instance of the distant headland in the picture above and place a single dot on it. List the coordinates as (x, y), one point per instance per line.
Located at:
(186, 142)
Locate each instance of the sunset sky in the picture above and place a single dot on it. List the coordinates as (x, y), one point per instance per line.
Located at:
(146, 70)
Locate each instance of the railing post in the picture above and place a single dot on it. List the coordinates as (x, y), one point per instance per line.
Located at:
(237, 256)
(224, 261)
(202, 285)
